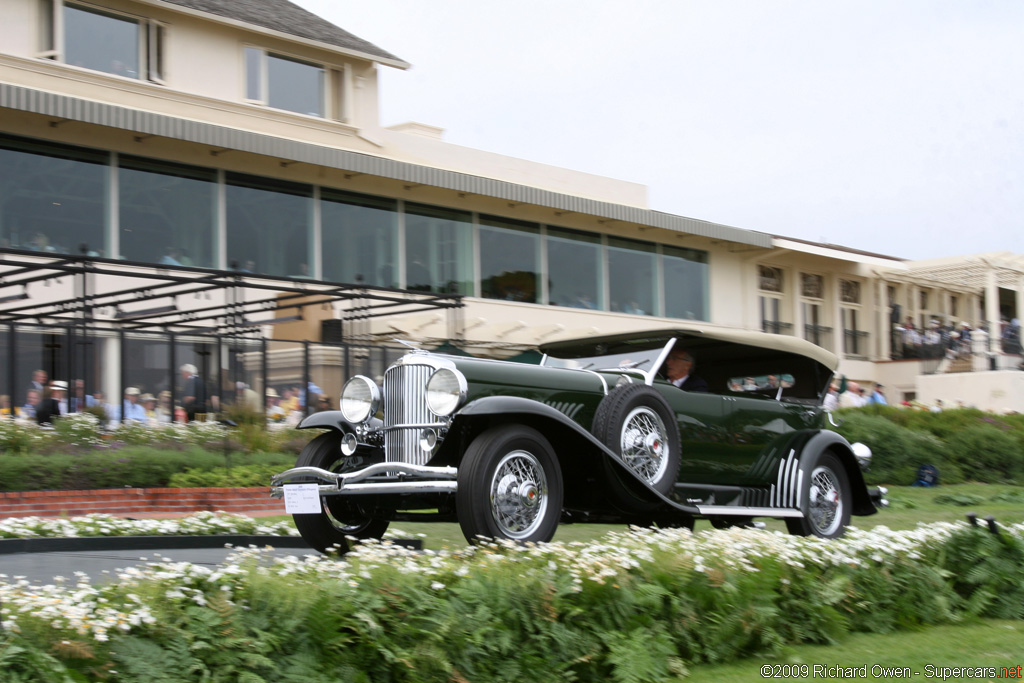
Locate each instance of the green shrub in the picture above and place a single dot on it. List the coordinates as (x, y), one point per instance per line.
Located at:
(140, 467)
(241, 475)
(988, 454)
(897, 452)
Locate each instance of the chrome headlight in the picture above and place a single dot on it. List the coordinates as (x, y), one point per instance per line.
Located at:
(446, 391)
(360, 398)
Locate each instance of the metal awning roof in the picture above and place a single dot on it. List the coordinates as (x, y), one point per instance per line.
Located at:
(967, 273)
(67, 108)
(108, 293)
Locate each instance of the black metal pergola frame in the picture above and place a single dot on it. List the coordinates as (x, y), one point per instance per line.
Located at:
(115, 297)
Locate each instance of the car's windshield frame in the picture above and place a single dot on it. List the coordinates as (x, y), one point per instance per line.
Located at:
(648, 361)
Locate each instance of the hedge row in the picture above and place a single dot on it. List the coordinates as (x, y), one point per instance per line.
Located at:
(965, 445)
(137, 466)
(638, 607)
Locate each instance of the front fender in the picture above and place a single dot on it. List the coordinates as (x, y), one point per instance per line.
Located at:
(334, 419)
(552, 423)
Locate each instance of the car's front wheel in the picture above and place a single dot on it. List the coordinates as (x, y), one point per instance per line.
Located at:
(824, 499)
(509, 486)
(330, 529)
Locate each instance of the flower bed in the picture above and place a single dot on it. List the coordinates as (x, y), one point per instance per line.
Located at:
(636, 607)
(199, 524)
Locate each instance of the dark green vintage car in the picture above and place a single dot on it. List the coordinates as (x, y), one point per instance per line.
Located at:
(595, 433)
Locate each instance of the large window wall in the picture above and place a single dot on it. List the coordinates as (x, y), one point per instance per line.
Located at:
(360, 238)
(56, 198)
(167, 213)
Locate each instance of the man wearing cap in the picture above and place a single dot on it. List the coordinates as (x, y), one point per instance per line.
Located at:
(148, 402)
(275, 413)
(132, 409)
(55, 405)
(877, 397)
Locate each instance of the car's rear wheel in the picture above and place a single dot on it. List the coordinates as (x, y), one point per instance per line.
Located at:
(509, 486)
(636, 422)
(330, 529)
(825, 499)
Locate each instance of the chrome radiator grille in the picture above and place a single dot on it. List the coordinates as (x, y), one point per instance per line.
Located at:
(405, 404)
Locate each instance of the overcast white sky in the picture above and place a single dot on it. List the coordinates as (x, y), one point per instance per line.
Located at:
(890, 126)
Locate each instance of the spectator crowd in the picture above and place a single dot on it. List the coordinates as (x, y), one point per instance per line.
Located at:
(46, 401)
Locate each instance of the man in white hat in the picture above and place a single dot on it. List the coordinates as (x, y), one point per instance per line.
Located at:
(55, 405)
(132, 410)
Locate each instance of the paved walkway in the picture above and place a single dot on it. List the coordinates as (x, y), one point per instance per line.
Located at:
(99, 558)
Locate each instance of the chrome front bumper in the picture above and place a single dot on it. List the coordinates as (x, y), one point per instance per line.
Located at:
(388, 477)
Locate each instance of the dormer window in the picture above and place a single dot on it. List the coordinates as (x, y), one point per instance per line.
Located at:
(284, 82)
(110, 42)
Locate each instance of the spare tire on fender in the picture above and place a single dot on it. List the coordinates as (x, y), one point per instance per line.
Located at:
(638, 425)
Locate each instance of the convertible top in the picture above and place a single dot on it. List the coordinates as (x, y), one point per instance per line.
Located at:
(694, 337)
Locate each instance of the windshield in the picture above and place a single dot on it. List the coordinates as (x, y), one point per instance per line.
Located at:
(641, 359)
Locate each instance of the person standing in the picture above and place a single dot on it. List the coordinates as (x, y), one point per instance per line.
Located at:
(193, 394)
(55, 405)
(878, 397)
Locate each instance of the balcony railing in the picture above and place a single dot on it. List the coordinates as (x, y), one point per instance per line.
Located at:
(818, 334)
(776, 327)
(855, 344)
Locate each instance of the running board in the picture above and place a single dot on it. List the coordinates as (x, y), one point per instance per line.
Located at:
(741, 511)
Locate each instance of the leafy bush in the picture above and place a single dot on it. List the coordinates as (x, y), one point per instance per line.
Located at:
(241, 475)
(897, 452)
(637, 606)
(141, 467)
(988, 454)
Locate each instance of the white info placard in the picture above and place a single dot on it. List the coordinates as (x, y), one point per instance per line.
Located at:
(302, 499)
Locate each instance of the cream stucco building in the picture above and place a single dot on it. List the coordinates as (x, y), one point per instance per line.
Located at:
(241, 139)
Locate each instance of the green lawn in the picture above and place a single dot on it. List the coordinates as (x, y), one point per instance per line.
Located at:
(987, 643)
(910, 506)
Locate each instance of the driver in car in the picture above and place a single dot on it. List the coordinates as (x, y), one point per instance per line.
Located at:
(679, 370)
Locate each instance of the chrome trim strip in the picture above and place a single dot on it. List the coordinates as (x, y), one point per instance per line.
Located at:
(794, 491)
(604, 382)
(377, 487)
(744, 511)
(799, 486)
(345, 478)
(417, 425)
(649, 376)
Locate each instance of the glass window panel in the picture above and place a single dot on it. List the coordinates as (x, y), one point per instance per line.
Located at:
(52, 197)
(253, 74)
(574, 269)
(147, 367)
(632, 277)
(295, 86)
(509, 260)
(9, 394)
(101, 41)
(41, 357)
(686, 283)
(438, 249)
(269, 225)
(360, 238)
(167, 213)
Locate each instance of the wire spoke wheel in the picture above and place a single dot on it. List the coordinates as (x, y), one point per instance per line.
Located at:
(825, 499)
(509, 486)
(644, 444)
(519, 494)
(825, 506)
